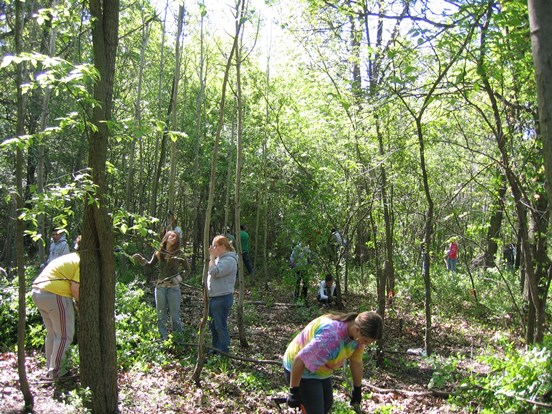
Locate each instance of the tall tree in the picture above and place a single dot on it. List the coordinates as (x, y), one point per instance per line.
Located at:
(20, 226)
(199, 121)
(417, 110)
(97, 345)
(210, 201)
(48, 46)
(540, 18)
(529, 210)
(129, 195)
(173, 123)
(240, 19)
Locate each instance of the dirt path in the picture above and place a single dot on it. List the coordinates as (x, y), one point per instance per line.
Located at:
(230, 386)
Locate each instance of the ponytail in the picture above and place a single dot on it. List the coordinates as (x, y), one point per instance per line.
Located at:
(369, 323)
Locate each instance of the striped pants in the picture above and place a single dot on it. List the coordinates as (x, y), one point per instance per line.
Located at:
(59, 317)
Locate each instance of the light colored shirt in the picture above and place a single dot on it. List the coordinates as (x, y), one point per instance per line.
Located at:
(322, 291)
(58, 248)
(221, 277)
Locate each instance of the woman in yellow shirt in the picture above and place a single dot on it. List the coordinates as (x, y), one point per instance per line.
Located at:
(54, 291)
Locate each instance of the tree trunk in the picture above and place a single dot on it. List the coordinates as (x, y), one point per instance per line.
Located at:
(206, 233)
(428, 226)
(428, 235)
(129, 198)
(540, 16)
(495, 224)
(197, 188)
(97, 297)
(229, 161)
(174, 153)
(522, 205)
(19, 223)
(237, 191)
(50, 50)
(388, 267)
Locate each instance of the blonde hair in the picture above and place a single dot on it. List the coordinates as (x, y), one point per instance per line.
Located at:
(221, 240)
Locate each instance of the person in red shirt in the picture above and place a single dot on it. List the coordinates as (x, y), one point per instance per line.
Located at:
(452, 255)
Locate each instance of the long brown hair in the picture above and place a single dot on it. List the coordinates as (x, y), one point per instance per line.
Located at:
(162, 253)
(369, 323)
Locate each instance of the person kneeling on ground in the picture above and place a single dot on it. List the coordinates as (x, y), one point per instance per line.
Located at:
(321, 348)
(327, 291)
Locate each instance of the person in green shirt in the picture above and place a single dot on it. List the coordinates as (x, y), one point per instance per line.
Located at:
(244, 238)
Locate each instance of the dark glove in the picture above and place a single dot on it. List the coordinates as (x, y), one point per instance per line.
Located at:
(293, 398)
(356, 396)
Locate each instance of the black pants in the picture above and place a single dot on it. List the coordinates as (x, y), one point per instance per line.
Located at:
(316, 394)
(301, 276)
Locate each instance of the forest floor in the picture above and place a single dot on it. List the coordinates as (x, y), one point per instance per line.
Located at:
(229, 385)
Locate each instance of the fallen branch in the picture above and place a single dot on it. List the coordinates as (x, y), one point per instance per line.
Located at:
(263, 303)
(237, 358)
(435, 393)
(525, 400)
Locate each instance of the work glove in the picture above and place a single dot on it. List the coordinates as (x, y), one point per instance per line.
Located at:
(294, 398)
(178, 279)
(356, 396)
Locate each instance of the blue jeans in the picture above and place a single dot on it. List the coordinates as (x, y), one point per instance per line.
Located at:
(316, 394)
(452, 264)
(168, 298)
(219, 308)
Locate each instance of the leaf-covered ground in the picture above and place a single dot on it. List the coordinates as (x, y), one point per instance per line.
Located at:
(400, 385)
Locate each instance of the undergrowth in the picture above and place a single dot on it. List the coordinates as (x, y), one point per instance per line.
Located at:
(520, 381)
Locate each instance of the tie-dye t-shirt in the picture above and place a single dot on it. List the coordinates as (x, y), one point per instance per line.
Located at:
(323, 346)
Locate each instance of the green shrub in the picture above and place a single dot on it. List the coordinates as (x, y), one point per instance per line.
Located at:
(445, 370)
(136, 326)
(515, 379)
(9, 313)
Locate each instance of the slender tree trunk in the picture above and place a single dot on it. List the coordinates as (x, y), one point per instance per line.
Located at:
(229, 162)
(129, 198)
(97, 346)
(157, 182)
(264, 189)
(210, 199)
(428, 233)
(197, 189)
(237, 191)
(174, 148)
(19, 223)
(522, 205)
(495, 224)
(428, 225)
(51, 47)
(388, 267)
